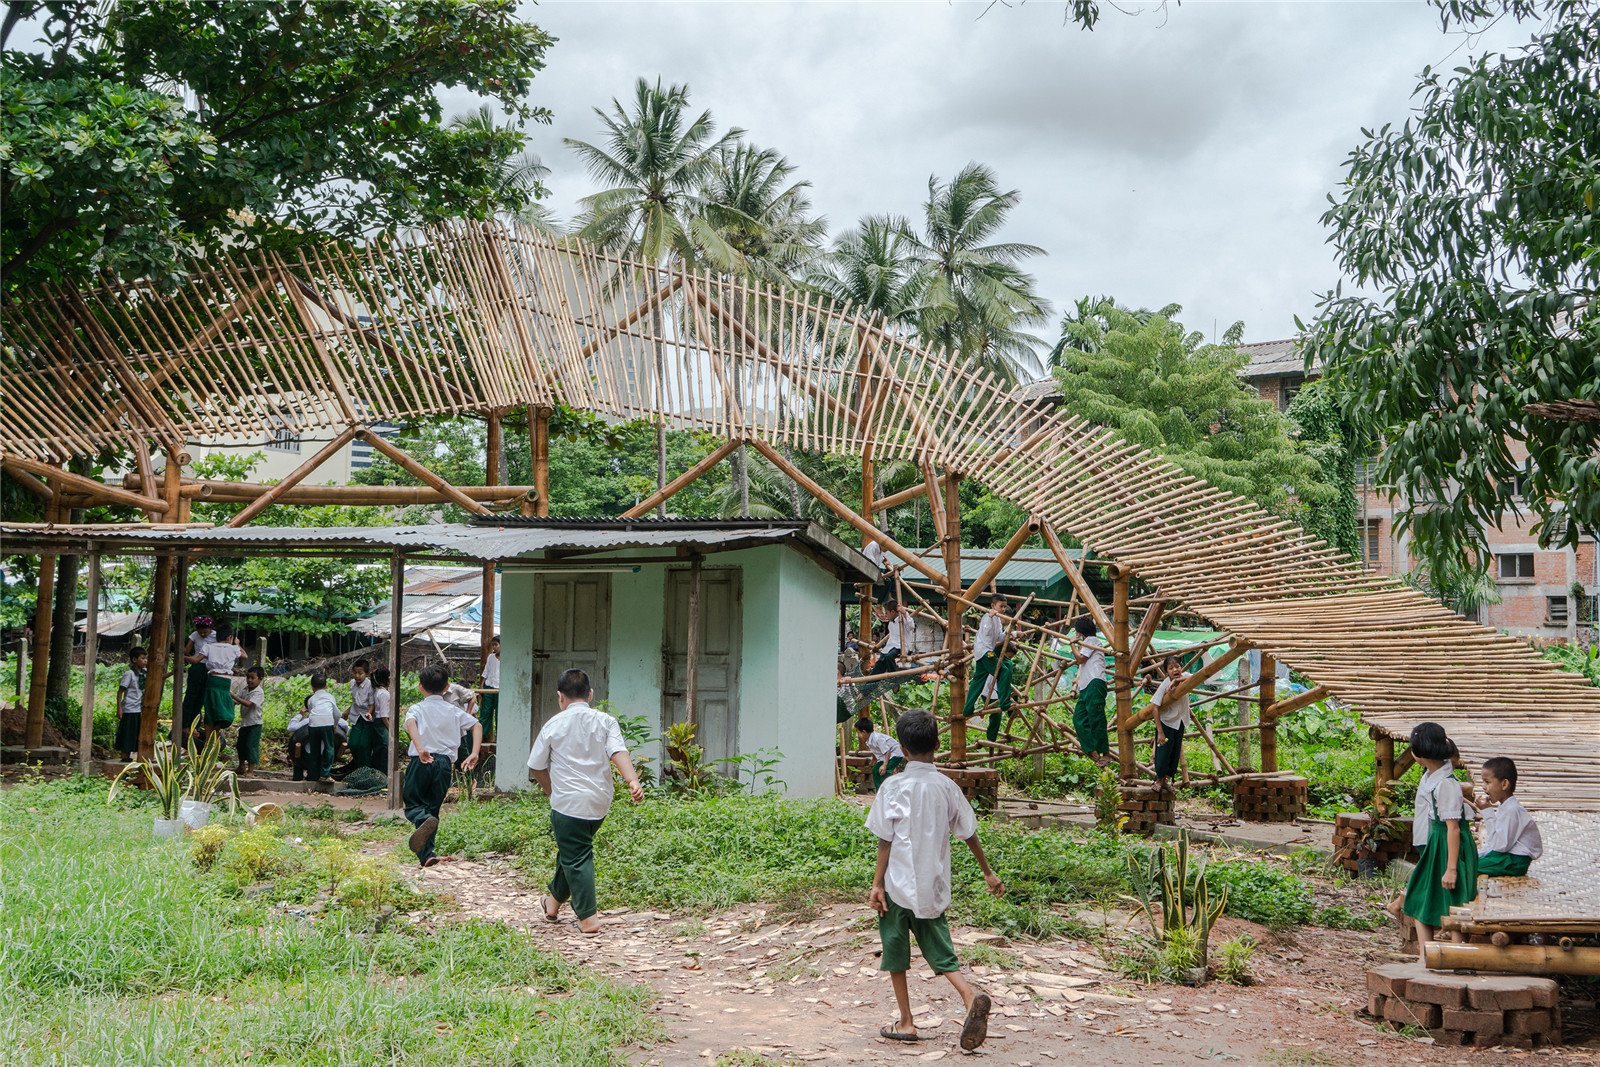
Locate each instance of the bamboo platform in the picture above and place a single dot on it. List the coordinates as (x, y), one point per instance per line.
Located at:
(1561, 893)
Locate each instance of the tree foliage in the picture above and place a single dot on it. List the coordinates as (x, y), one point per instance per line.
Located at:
(307, 116)
(1471, 233)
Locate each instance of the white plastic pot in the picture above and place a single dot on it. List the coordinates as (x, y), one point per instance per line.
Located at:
(194, 813)
(165, 828)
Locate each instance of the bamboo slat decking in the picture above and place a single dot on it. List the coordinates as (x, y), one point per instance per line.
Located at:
(478, 318)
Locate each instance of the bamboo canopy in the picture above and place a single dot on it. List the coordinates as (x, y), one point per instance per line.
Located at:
(478, 318)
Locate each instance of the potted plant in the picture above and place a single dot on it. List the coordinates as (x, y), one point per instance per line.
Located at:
(1379, 829)
(184, 791)
(207, 778)
(165, 777)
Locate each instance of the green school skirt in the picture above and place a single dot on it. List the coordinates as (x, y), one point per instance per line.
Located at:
(1503, 865)
(1426, 900)
(219, 700)
(1089, 719)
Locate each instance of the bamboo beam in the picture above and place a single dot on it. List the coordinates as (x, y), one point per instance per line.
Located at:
(1120, 580)
(682, 481)
(840, 509)
(1512, 959)
(30, 483)
(1029, 527)
(293, 478)
(405, 462)
(904, 496)
(87, 486)
(216, 492)
(1147, 632)
(1279, 709)
(1198, 678)
(1102, 621)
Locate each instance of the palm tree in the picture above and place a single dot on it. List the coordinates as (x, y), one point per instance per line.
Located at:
(654, 161)
(975, 298)
(520, 186)
(764, 219)
(1084, 326)
(874, 267)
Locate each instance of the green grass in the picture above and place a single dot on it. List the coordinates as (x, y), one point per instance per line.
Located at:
(123, 951)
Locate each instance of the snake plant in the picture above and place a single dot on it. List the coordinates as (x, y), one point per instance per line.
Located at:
(201, 777)
(163, 773)
(1186, 904)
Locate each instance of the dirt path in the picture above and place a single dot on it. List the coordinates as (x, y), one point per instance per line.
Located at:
(809, 991)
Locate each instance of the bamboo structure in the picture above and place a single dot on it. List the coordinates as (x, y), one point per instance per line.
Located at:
(479, 319)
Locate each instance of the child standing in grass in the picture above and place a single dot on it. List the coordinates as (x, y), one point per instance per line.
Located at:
(220, 656)
(887, 756)
(130, 703)
(1446, 874)
(1511, 839)
(489, 703)
(252, 704)
(571, 760)
(1172, 718)
(435, 727)
(914, 816)
(378, 749)
(322, 711)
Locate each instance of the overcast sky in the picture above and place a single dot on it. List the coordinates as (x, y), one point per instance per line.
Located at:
(1180, 156)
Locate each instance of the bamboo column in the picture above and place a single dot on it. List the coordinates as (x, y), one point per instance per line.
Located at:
(1383, 746)
(180, 669)
(161, 622)
(955, 637)
(491, 476)
(1124, 670)
(869, 490)
(1269, 729)
(397, 715)
(539, 427)
(91, 649)
(691, 649)
(33, 736)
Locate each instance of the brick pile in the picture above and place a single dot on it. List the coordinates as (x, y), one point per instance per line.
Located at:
(1144, 808)
(1485, 1011)
(981, 785)
(1349, 824)
(1269, 798)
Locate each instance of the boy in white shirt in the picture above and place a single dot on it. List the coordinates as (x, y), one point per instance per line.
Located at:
(361, 701)
(382, 699)
(1172, 718)
(194, 654)
(1511, 839)
(991, 668)
(435, 726)
(914, 816)
(489, 702)
(322, 711)
(1089, 713)
(130, 703)
(252, 703)
(887, 755)
(571, 760)
(896, 638)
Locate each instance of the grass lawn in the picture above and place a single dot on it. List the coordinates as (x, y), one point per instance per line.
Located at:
(262, 947)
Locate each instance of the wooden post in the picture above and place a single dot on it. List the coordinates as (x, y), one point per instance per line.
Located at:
(397, 715)
(1241, 756)
(1269, 729)
(22, 665)
(955, 638)
(869, 490)
(491, 476)
(691, 672)
(539, 427)
(1384, 751)
(261, 654)
(91, 649)
(155, 674)
(33, 734)
(661, 462)
(1124, 669)
(180, 633)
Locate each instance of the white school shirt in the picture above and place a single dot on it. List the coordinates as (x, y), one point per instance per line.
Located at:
(323, 709)
(221, 656)
(298, 721)
(251, 713)
(898, 635)
(883, 747)
(873, 551)
(576, 747)
(1509, 828)
(133, 699)
(990, 633)
(202, 641)
(440, 726)
(1176, 714)
(1446, 791)
(380, 703)
(1095, 666)
(361, 698)
(917, 811)
(491, 672)
(459, 695)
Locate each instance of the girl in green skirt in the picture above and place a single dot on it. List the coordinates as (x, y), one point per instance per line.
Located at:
(1446, 874)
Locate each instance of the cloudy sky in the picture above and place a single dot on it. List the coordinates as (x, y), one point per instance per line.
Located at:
(1178, 156)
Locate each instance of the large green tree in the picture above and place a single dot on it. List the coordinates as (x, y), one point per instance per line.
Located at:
(873, 268)
(1470, 236)
(140, 132)
(763, 215)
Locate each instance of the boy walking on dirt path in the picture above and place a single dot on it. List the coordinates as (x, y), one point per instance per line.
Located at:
(572, 760)
(914, 816)
(435, 726)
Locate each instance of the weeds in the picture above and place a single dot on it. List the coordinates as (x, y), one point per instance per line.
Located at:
(1263, 893)
(1233, 960)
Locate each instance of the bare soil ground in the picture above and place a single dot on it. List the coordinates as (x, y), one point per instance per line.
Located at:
(806, 989)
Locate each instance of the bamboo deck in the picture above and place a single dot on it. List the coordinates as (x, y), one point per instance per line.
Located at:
(1562, 889)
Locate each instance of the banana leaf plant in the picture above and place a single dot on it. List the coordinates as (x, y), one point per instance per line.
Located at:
(1168, 888)
(164, 774)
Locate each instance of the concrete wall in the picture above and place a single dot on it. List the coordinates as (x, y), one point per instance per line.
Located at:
(788, 652)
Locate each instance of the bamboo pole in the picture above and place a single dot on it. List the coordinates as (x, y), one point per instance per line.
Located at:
(1269, 732)
(1102, 621)
(405, 462)
(43, 612)
(955, 638)
(691, 670)
(1197, 679)
(1029, 527)
(1512, 959)
(397, 714)
(293, 478)
(180, 670)
(1120, 579)
(491, 476)
(215, 492)
(539, 427)
(681, 482)
(87, 486)
(91, 649)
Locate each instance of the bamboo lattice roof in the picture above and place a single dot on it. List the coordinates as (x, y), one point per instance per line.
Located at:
(473, 318)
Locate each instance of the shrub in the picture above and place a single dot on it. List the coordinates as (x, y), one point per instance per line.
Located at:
(1233, 959)
(1263, 893)
(207, 845)
(252, 855)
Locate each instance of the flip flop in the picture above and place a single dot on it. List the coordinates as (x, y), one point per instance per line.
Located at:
(419, 837)
(976, 1027)
(431, 861)
(888, 1030)
(585, 933)
(548, 917)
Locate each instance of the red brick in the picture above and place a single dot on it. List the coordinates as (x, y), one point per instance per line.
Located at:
(1537, 1021)
(1390, 979)
(1407, 1013)
(1445, 990)
(1450, 1037)
(1484, 1039)
(1547, 995)
(1476, 1022)
(1515, 1041)
(1503, 992)
(1375, 1004)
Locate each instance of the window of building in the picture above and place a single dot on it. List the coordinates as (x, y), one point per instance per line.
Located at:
(1288, 387)
(1372, 542)
(283, 439)
(1519, 486)
(1516, 564)
(1367, 473)
(1556, 608)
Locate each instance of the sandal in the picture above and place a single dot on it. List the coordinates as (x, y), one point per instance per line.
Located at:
(976, 1027)
(890, 1031)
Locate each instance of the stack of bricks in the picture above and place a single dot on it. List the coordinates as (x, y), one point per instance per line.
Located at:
(1348, 827)
(1269, 798)
(1485, 1011)
(981, 785)
(858, 772)
(1144, 807)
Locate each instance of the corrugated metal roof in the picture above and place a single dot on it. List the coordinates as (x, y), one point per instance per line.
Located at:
(1030, 568)
(1270, 359)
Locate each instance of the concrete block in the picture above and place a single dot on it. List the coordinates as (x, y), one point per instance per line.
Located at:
(1476, 1022)
(1445, 990)
(1505, 992)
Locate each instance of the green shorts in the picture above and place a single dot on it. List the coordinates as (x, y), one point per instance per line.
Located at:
(897, 926)
(1503, 865)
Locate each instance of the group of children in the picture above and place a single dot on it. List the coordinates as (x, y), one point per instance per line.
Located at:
(211, 703)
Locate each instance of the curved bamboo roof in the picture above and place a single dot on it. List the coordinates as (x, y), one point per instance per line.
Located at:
(474, 318)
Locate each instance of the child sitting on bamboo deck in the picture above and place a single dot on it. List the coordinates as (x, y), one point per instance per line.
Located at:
(887, 755)
(914, 816)
(130, 703)
(1511, 839)
(252, 705)
(1446, 874)
(1172, 718)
